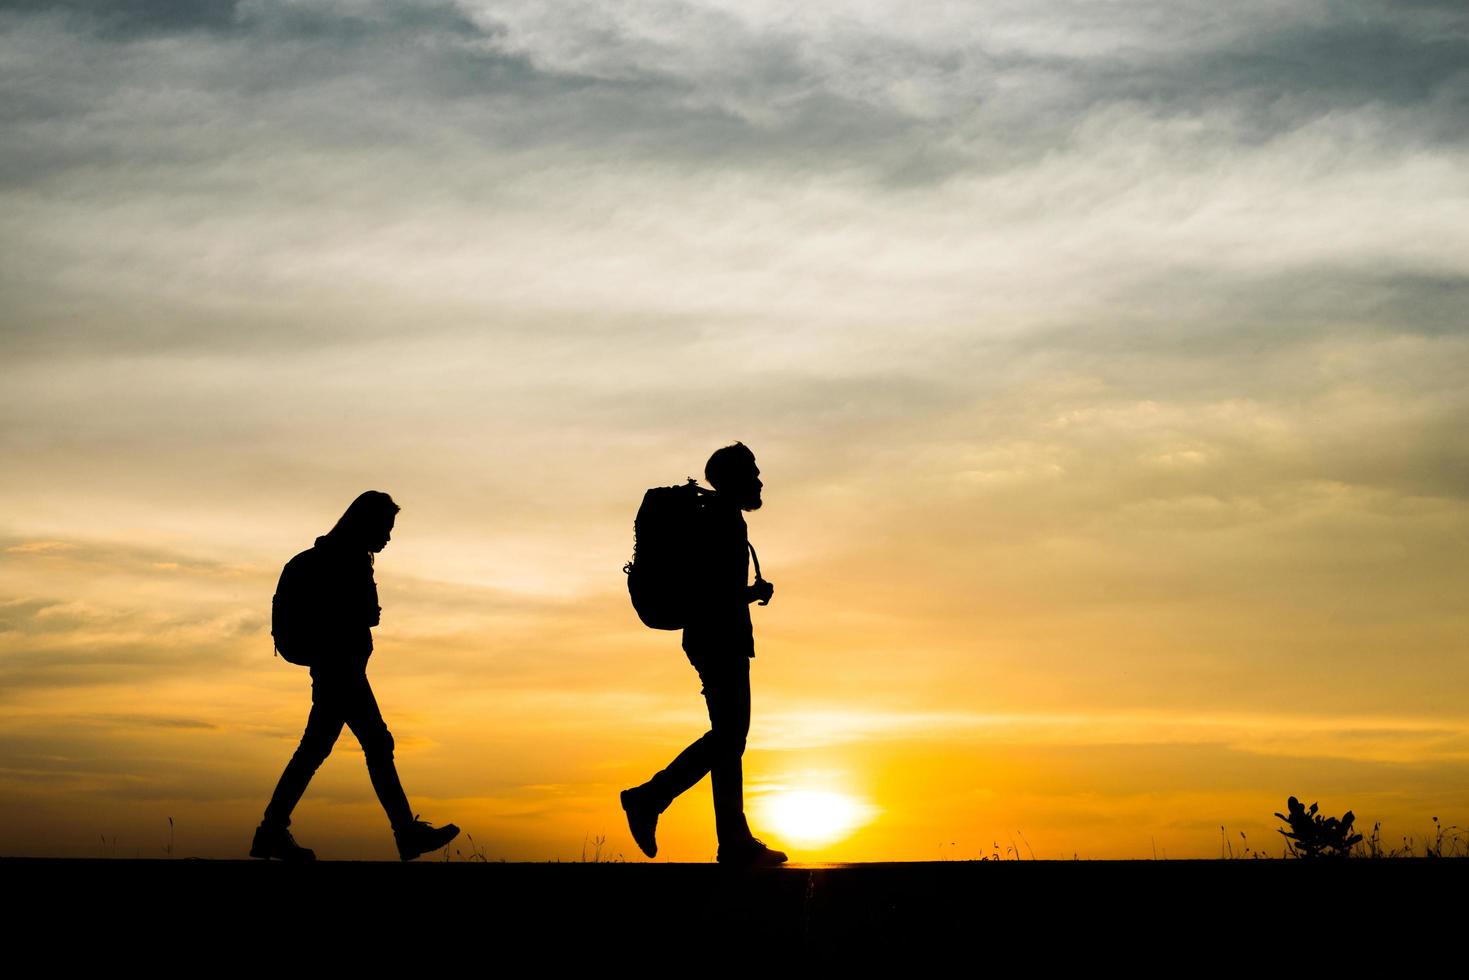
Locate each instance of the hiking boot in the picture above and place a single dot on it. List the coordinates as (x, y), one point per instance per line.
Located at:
(751, 854)
(642, 821)
(420, 837)
(277, 842)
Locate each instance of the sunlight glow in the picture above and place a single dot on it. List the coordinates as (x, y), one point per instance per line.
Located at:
(814, 816)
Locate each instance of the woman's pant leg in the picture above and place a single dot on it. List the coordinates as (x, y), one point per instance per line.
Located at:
(366, 721)
(323, 726)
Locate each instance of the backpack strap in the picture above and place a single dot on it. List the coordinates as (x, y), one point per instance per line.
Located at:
(758, 577)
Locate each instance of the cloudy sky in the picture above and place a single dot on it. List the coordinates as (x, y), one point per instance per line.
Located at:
(1105, 361)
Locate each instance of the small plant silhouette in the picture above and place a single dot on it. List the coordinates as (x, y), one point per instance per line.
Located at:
(1227, 850)
(1447, 841)
(596, 843)
(477, 853)
(1312, 836)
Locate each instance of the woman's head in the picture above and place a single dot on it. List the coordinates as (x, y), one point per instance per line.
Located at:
(367, 522)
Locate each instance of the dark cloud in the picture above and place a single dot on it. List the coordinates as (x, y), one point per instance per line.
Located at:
(388, 75)
(1229, 323)
(327, 22)
(1277, 77)
(151, 721)
(127, 19)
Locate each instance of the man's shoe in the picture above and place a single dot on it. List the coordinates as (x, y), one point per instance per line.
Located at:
(751, 854)
(642, 820)
(420, 837)
(277, 842)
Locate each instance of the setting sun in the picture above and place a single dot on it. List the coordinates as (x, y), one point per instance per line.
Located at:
(815, 817)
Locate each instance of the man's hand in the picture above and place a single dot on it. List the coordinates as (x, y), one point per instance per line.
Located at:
(761, 592)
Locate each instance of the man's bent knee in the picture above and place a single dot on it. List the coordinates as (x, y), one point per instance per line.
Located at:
(310, 754)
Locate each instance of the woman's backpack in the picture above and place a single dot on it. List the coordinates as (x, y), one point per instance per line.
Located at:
(292, 610)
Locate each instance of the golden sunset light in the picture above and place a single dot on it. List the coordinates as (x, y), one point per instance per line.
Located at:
(1105, 365)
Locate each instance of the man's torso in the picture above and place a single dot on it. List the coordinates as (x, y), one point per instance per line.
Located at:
(720, 620)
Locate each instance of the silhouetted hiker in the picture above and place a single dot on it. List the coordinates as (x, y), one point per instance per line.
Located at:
(325, 609)
(696, 575)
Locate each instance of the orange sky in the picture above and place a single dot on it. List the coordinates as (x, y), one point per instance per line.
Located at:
(1106, 378)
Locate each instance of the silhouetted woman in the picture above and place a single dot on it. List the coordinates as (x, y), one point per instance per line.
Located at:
(325, 609)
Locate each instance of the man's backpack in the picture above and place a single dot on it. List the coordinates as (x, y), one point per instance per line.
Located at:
(291, 610)
(661, 575)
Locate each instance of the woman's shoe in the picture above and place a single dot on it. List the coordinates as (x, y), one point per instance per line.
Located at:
(420, 837)
(277, 842)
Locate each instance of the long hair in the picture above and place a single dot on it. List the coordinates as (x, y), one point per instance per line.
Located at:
(364, 517)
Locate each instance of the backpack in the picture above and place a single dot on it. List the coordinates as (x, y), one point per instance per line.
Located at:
(290, 611)
(660, 575)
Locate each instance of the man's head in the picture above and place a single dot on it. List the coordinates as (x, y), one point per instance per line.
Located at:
(733, 473)
(368, 521)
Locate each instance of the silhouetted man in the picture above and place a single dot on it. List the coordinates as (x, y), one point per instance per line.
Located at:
(719, 642)
(326, 607)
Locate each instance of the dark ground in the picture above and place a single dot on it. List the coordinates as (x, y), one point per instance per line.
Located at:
(1054, 910)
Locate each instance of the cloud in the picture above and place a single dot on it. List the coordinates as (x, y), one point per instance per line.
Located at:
(1422, 741)
(975, 90)
(152, 721)
(137, 615)
(130, 19)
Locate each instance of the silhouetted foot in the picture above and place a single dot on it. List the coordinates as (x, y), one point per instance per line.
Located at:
(420, 837)
(752, 854)
(272, 842)
(642, 820)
